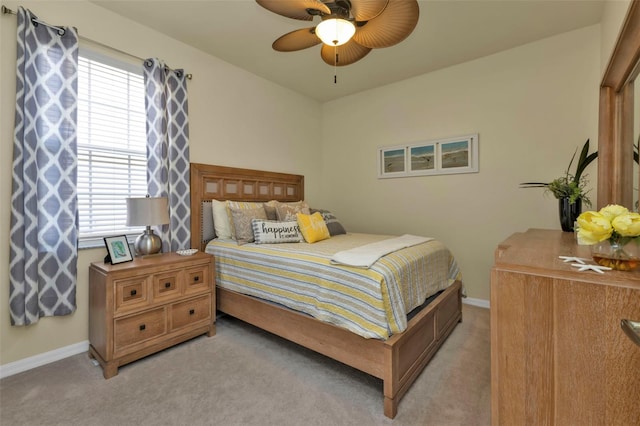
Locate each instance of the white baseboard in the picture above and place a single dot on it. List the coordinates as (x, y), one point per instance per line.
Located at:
(57, 354)
(25, 364)
(476, 302)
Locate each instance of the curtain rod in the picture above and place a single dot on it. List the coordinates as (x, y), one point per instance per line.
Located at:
(60, 30)
(7, 11)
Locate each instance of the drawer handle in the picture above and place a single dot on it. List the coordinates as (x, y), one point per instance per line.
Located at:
(134, 292)
(632, 330)
(196, 278)
(142, 327)
(192, 311)
(167, 285)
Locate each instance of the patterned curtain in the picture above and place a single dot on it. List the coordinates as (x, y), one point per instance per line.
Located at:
(44, 210)
(168, 149)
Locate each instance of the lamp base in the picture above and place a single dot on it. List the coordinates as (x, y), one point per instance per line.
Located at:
(148, 243)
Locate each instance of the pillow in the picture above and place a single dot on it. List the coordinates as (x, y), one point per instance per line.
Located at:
(312, 227)
(221, 221)
(242, 223)
(239, 205)
(335, 227)
(272, 232)
(207, 231)
(270, 210)
(244, 205)
(288, 211)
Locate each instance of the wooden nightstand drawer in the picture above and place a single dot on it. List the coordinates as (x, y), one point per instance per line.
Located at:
(191, 311)
(197, 280)
(139, 328)
(166, 285)
(131, 294)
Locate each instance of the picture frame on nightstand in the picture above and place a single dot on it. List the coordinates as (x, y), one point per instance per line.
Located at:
(118, 250)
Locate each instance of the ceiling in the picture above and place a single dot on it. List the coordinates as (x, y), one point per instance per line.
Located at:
(449, 32)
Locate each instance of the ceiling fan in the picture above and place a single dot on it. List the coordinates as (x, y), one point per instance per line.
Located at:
(349, 29)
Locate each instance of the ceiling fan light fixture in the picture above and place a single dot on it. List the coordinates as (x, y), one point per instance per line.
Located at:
(335, 31)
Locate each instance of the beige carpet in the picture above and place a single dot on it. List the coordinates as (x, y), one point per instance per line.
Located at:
(244, 376)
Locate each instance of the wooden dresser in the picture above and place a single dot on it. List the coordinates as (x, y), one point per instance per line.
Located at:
(558, 353)
(140, 307)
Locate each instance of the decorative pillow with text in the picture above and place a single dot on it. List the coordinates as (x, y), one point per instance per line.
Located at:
(273, 232)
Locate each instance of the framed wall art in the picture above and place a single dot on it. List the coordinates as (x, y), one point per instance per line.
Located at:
(392, 161)
(436, 157)
(422, 158)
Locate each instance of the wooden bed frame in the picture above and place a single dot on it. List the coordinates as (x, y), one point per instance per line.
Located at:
(398, 361)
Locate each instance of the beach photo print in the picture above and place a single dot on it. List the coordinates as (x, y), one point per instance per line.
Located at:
(435, 157)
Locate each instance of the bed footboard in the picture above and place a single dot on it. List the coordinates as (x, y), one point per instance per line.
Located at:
(408, 353)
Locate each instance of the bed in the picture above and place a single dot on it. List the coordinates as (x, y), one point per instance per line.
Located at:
(397, 360)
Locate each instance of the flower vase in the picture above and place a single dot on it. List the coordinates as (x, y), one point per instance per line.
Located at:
(621, 255)
(569, 212)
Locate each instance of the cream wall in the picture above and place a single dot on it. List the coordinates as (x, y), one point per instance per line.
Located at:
(613, 15)
(532, 107)
(236, 119)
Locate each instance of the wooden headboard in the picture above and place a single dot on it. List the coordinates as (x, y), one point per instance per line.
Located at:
(229, 183)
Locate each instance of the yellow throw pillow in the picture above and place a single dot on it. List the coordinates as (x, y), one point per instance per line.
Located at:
(313, 227)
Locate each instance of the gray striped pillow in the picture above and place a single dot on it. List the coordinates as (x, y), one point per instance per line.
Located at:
(334, 226)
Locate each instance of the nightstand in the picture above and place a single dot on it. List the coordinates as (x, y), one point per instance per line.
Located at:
(141, 307)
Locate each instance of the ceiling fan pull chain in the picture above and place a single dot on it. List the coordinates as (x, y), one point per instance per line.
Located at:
(335, 65)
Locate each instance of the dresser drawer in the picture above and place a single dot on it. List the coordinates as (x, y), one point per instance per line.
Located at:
(139, 328)
(190, 311)
(131, 294)
(166, 285)
(197, 279)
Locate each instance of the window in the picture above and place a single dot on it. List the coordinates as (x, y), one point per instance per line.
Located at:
(112, 163)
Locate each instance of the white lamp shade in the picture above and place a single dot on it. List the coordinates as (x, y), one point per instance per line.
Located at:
(335, 31)
(147, 211)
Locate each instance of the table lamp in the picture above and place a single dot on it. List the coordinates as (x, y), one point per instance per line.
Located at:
(147, 211)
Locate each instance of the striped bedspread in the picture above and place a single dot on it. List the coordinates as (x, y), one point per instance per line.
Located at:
(372, 302)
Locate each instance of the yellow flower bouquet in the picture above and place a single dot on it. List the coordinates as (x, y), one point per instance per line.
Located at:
(613, 233)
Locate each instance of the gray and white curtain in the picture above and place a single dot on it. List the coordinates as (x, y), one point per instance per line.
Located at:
(44, 210)
(168, 149)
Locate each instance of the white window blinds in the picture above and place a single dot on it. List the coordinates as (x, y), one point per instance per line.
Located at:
(112, 162)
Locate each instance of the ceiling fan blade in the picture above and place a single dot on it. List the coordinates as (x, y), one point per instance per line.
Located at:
(365, 10)
(296, 40)
(392, 26)
(348, 53)
(296, 9)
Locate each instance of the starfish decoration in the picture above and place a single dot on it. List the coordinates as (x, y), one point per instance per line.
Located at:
(573, 259)
(583, 267)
